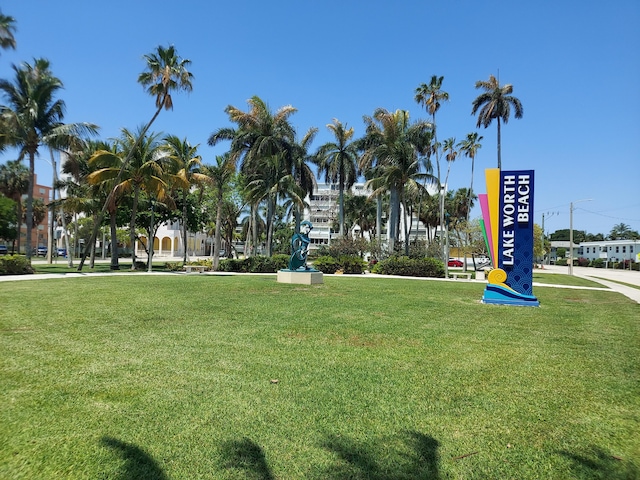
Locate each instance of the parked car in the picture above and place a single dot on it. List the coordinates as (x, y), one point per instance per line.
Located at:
(41, 252)
(62, 252)
(3, 250)
(453, 262)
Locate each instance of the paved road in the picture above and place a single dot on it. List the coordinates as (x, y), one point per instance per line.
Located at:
(608, 277)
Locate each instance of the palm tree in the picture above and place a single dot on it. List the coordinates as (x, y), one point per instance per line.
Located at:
(338, 160)
(33, 118)
(495, 102)
(185, 165)
(469, 148)
(260, 136)
(144, 172)
(430, 96)
(297, 159)
(7, 29)
(166, 72)
(392, 150)
(360, 210)
(14, 182)
(220, 176)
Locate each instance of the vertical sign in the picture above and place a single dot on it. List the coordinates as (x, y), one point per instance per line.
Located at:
(508, 219)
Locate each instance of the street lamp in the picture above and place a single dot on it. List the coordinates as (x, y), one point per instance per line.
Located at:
(571, 232)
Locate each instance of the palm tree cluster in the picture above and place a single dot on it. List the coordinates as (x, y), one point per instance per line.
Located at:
(143, 172)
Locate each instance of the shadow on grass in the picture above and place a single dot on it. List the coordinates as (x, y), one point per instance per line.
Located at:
(598, 464)
(138, 464)
(247, 455)
(379, 461)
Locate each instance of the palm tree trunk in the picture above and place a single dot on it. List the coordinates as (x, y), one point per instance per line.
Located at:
(184, 225)
(114, 241)
(28, 246)
(499, 153)
(394, 217)
(216, 235)
(132, 225)
(341, 207)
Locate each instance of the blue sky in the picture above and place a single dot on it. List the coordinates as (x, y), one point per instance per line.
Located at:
(574, 65)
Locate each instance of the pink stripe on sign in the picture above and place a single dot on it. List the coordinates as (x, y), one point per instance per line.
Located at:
(486, 216)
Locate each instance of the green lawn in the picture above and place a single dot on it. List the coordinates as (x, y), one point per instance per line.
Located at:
(563, 279)
(198, 376)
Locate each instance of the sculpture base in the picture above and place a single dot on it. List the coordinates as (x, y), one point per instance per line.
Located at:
(303, 277)
(503, 296)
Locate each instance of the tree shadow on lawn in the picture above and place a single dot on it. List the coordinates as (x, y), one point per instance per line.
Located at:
(599, 464)
(374, 460)
(365, 460)
(247, 455)
(138, 464)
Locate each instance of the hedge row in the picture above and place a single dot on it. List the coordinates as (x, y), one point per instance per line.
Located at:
(345, 263)
(15, 265)
(257, 264)
(410, 267)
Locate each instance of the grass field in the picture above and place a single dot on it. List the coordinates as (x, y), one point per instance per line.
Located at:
(198, 376)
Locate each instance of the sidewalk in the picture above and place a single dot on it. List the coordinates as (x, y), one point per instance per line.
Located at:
(608, 277)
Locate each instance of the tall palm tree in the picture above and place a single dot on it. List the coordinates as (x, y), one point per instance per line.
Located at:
(495, 103)
(14, 182)
(144, 172)
(469, 148)
(338, 160)
(33, 117)
(166, 72)
(7, 30)
(220, 176)
(260, 136)
(185, 165)
(298, 158)
(430, 97)
(392, 149)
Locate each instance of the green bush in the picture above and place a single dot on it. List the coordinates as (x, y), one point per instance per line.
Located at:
(15, 265)
(204, 262)
(173, 266)
(562, 262)
(352, 264)
(326, 264)
(256, 264)
(598, 263)
(410, 267)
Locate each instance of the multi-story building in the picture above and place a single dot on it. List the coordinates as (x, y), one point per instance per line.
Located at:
(40, 232)
(323, 214)
(608, 250)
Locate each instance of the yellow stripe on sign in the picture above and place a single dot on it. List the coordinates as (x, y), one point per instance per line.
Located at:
(492, 176)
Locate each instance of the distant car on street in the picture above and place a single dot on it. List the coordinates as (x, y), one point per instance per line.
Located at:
(3, 250)
(41, 252)
(62, 252)
(453, 262)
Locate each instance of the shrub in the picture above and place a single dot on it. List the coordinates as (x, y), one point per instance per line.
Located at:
(344, 246)
(326, 264)
(583, 262)
(15, 265)
(173, 266)
(205, 262)
(351, 264)
(562, 262)
(598, 263)
(256, 264)
(410, 267)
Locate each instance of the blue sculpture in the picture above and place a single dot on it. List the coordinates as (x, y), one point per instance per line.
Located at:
(300, 248)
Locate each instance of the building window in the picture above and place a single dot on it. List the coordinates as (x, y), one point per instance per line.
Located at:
(624, 249)
(631, 248)
(617, 249)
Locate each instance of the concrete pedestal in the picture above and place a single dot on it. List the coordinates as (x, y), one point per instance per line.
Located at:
(300, 277)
